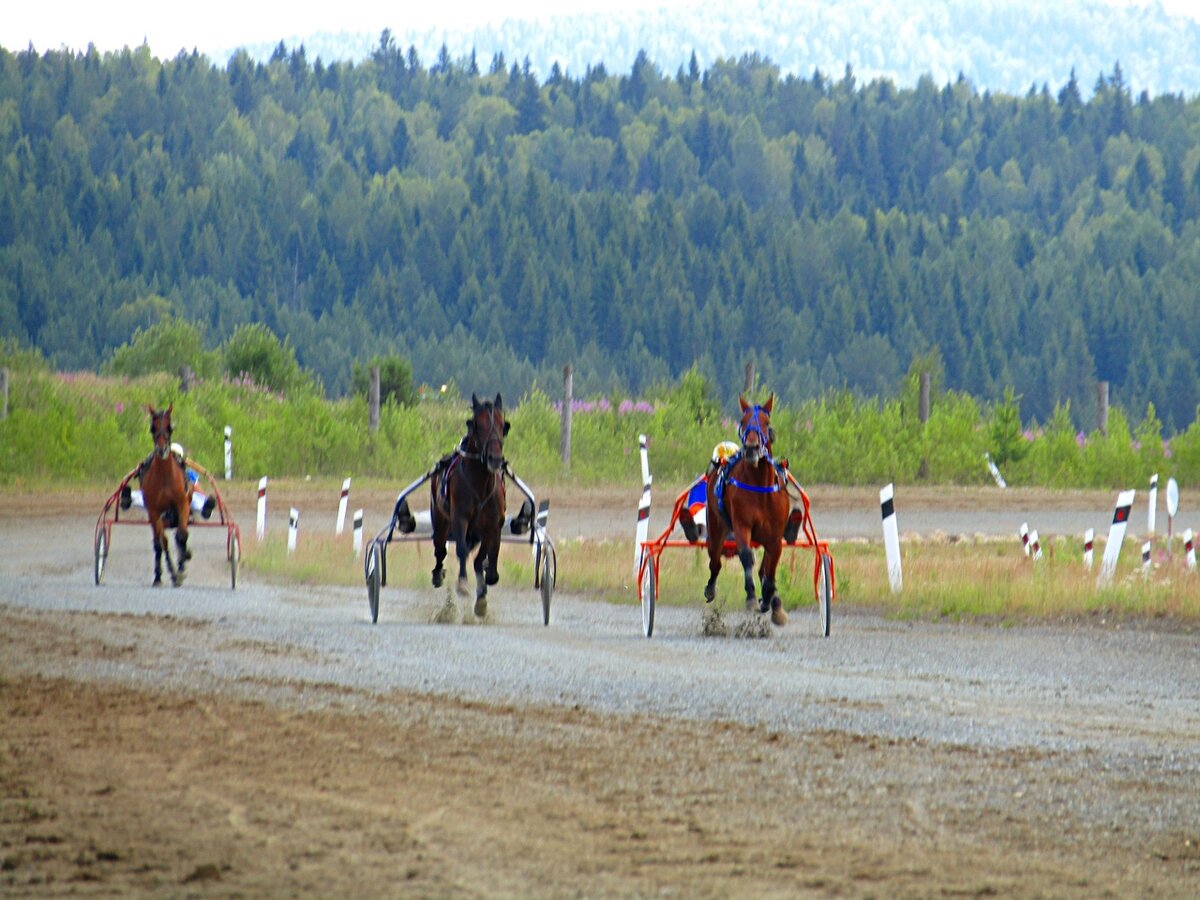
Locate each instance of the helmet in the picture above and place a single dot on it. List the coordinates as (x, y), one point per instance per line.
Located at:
(177, 449)
(723, 451)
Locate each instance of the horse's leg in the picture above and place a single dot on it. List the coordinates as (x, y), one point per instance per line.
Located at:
(462, 550)
(741, 537)
(157, 536)
(166, 552)
(441, 529)
(772, 551)
(716, 549)
(481, 583)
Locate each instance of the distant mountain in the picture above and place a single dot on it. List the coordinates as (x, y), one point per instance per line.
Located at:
(998, 45)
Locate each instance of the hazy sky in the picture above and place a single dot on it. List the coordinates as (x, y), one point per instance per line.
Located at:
(170, 26)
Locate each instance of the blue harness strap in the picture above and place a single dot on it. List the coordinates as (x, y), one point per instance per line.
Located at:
(724, 480)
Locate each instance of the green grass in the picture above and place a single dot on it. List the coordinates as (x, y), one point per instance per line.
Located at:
(985, 579)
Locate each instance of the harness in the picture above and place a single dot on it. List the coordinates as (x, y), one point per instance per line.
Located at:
(724, 478)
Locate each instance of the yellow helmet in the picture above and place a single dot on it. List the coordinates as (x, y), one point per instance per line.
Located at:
(723, 451)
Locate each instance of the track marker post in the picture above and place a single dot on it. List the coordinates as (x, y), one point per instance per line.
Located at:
(1035, 545)
(891, 537)
(1172, 508)
(643, 514)
(293, 527)
(996, 476)
(1189, 550)
(1116, 535)
(1088, 542)
(261, 529)
(1024, 532)
(341, 515)
(358, 519)
(228, 452)
(1153, 505)
(1145, 559)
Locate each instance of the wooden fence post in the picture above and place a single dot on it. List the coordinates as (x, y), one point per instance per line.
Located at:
(3, 394)
(373, 399)
(749, 383)
(1102, 407)
(568, 391)
(923, 415)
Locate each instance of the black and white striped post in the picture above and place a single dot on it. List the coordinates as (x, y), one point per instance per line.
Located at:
(1189, 550)
(341, 514)
(1116, 535)
(228, 452)
(1150, 517)
(1088, 542)
(1146, 558)
(293, 528)
(643, 514)
(891, 537)
(261, 529)
(358, 519)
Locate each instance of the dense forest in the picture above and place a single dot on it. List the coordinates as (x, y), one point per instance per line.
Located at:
(491, 226)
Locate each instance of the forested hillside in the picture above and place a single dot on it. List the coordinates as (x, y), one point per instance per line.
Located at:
(492, 226)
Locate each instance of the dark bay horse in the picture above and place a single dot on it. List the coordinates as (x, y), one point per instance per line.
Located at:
(167, 497)
(748, 497)
(468, 502)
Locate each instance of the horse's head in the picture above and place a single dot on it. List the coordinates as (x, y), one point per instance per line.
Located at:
(160, 430)
(486, 430)
(755, 429)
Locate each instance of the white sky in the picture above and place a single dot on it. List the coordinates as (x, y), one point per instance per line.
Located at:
(170, 25)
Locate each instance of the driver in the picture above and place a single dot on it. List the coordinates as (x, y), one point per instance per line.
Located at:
(697, 498)
(200, 503)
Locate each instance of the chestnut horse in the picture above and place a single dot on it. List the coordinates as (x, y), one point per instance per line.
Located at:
(167, 497)
(748, 498)
(468, 501)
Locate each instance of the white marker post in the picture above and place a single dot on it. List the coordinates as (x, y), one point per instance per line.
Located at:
(1153, 505)
(357, 533)
(1145, 559)
(996, 476)
(1116, 535)
(1025, 537)
(1172, 508)
(293, 527)
(643, 514)
(228, 452)
(1088, 542)
(1189, 550)
(891, 537)
(262, 508)
(341, 517)
(1035, 547)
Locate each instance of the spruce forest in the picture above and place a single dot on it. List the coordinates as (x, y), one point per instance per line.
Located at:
(491, 226)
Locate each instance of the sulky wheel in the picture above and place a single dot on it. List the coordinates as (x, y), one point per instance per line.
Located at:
(235, 555)
(101, 553)
(374, 579)
(824, 593)
(547, 585)
(648, 590)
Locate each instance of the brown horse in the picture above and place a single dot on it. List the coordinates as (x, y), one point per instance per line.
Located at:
(167, 496)
(468, 501)
(748, 497)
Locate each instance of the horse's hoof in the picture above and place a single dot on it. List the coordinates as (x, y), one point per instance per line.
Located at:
(464, 588)
(779, 615)
(710, 592)
(764, 605)
(491, 578)
(439, 576)
(751, 605)
(480, 607)
(157, 582)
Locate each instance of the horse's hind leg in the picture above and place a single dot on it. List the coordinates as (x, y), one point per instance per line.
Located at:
(440, 529)
(462, 550)
(481, 584)
(746, 557)
(770, 564)
(158, 551)
(716, 548)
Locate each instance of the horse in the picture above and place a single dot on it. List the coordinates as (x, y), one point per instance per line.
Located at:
(468, 501)
(167, 497)
(748, 498)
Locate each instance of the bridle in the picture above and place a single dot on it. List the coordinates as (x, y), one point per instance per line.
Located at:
(161, 435)
(766, 436)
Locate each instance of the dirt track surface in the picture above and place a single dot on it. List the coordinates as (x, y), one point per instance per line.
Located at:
(270, 740)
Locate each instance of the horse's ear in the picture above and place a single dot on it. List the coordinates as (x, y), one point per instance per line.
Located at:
(499, 404)
(474, 402)
(745, 406)
(150, 409)
(507, 425)
(171, 408)
(770, 402)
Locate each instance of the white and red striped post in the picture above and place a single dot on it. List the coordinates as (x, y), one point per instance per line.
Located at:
(1116, 534)
(358, 516)
(341, 515)
(1190, 550)
(1035, 546)
(1088, 542)
(293, 528)
(891, 537)
(261, 530)
(643, 514)
(1025, 537)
